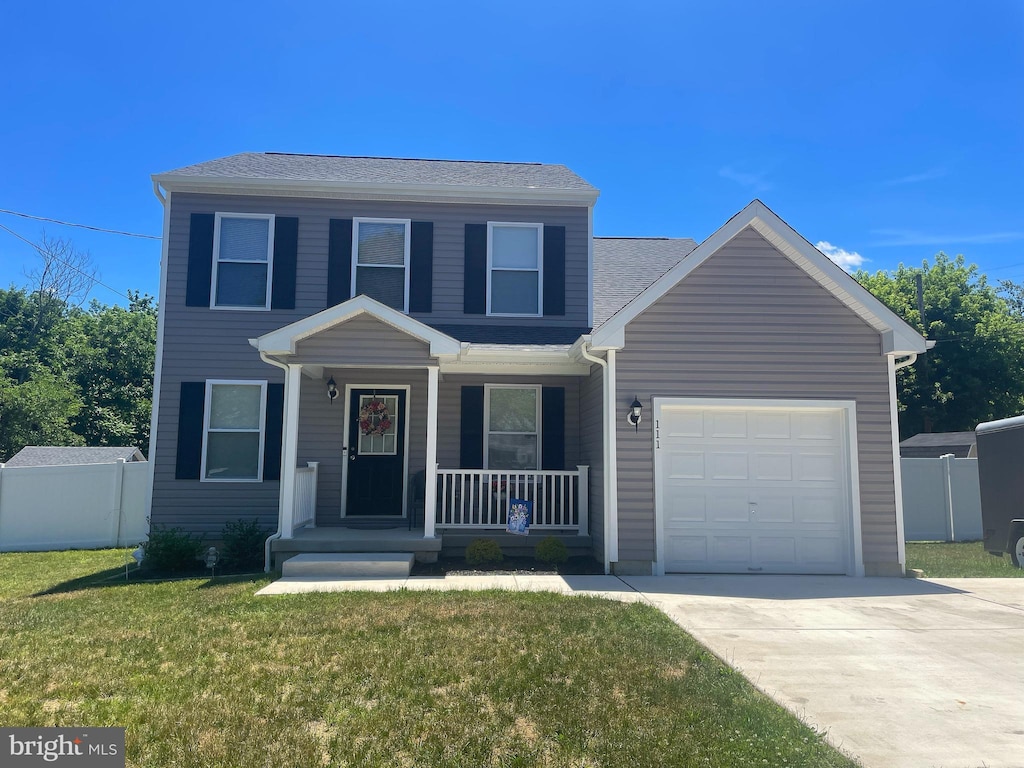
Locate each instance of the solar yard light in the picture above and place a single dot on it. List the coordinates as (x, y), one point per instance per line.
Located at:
(211, 560)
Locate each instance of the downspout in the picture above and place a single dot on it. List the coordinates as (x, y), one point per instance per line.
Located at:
(610, 491)
(158, 361)
(897, 468)
(280, 500)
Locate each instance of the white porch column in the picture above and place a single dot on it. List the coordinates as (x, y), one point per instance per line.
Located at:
(430, 481)
(290, 448)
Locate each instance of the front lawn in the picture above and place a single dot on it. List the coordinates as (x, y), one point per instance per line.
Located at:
(957, 560)
(206, 674)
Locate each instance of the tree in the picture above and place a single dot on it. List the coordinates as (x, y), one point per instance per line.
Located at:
(113, 368)
(975, 372)
(37, 412)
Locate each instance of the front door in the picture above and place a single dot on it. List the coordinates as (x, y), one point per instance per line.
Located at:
(375, 453)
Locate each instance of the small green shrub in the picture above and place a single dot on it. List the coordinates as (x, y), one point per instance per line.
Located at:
(171, 549)
(243, 544)
(483, 552)
(551, 550)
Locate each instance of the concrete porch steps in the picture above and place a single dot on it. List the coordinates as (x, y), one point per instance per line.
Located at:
(349, 564)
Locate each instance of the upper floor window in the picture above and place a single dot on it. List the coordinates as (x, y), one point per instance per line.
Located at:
(512, 427)
(380, 260)
(243, 255)
(515, 258)
(233, 430)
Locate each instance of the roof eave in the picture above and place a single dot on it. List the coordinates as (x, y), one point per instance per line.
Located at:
(304, 187)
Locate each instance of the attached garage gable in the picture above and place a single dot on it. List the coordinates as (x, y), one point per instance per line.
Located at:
(754, 487)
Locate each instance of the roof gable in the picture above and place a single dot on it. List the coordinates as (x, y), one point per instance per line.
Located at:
(897, 336)
(283, 341)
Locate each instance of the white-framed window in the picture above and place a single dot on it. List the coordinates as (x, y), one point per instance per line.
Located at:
(511, 426)
(243, 260)
(234, 430)
(380, 260)
(515, 260)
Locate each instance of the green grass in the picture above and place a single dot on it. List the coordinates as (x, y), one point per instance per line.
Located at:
(206, 674)
(959, 560)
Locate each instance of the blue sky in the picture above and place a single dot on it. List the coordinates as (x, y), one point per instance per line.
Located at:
(886, 129)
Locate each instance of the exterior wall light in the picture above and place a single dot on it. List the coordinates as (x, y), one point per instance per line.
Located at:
(332, 389)
(635, 414)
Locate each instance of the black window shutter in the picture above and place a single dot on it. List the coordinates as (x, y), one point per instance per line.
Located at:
(421, 268)
(552, 428)
(286, 256)
(474, 280)
(472, 430)
(272, 432)
(191, 404)
(339, 262)
(554, 270)
(200, 261)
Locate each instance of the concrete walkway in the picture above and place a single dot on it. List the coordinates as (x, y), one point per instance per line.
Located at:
(899, 672)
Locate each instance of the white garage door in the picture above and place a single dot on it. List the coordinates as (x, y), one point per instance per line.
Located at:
(753, 490)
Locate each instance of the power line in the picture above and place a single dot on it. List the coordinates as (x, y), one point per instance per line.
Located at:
(81, 226)
(47, 254)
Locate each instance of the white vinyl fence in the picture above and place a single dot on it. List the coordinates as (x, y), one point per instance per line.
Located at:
(80, 506)
(941, 499)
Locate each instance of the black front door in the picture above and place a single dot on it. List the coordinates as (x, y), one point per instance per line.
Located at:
(375, 453)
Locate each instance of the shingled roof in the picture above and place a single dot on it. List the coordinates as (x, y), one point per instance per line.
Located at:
(625, 266)
(279, 166)
(60, 455)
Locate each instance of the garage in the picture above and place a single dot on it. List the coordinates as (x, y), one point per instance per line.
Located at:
(755, 486)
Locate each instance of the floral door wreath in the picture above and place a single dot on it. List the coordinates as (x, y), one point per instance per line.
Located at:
(374, 418)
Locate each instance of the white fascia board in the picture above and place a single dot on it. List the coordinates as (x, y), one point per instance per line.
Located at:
(283, 340)
(517, 360)
(376, 191)
(898, 336)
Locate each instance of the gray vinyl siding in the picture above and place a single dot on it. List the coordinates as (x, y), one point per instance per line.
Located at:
(311, 280)
(362, 340)
(748, 323)
(200, 343)
(592, 451)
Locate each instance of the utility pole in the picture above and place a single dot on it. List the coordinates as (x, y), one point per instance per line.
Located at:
(923, 372)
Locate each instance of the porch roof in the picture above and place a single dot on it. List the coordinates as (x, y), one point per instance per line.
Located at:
(536, 354)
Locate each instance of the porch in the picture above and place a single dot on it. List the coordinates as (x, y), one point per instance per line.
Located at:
(468, 504)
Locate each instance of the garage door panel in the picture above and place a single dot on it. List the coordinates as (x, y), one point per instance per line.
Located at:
(684, 505)
(818, 466)
(731, 550)
(687, 465)
(726, 424)
(728, 465)
(774, 508)
(773, 466)
(728, 506)
(771, 426)
(754, 490)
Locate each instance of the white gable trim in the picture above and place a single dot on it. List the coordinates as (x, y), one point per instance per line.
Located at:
(897, 336)
(283, 340)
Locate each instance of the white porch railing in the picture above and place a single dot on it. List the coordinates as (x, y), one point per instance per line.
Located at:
(479, 498)
(305, 496)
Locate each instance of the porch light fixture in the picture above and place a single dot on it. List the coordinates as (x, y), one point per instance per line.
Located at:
(635, 414)
(332, 389)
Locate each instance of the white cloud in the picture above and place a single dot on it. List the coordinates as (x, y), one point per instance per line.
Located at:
(756, 181)
(848, 260)
(916, 178)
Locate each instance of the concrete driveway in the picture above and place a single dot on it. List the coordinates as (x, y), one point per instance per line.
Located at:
(899, 672)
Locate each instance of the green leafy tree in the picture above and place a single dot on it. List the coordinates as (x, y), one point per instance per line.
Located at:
(38, 411)
(976, 370)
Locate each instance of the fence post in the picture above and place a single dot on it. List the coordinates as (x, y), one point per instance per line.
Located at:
(2, 465)
(118, 498)
(947, 488)
(583, 500)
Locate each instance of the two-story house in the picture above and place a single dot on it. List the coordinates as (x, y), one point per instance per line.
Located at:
(351, 343)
